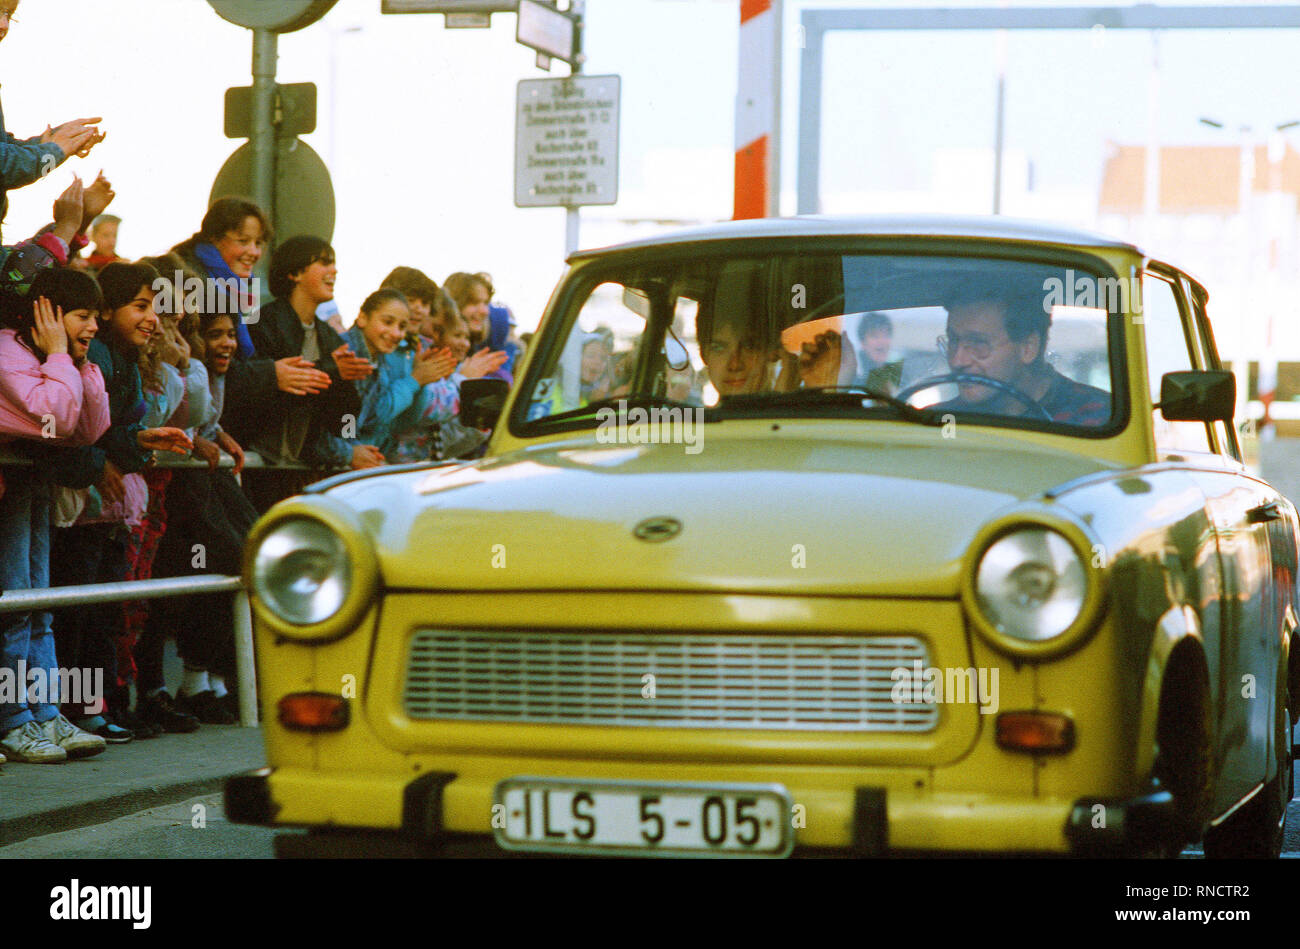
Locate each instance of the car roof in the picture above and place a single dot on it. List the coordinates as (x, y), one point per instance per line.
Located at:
(986, 227)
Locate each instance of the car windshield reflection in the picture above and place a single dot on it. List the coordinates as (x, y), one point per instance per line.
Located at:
(993, 340)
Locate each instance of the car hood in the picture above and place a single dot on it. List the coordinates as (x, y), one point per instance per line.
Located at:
(772, 515)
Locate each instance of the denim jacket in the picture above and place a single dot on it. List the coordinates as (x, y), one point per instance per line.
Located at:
(23, 162)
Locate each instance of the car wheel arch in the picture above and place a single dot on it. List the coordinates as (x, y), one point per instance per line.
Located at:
(1176, 705)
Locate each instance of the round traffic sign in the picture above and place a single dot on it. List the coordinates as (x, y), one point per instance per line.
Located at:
(281, 16)
(304, 201)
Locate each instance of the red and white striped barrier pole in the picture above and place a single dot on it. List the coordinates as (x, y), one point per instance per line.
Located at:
(758, 110)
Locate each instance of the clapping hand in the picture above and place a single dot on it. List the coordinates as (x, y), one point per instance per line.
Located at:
(97, 198)
(297, 376)
(483, 363)
(69, 210)
(174, 348)
(77, 137)
(351, 366)
(434, 364)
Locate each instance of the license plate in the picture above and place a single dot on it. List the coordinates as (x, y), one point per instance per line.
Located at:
(611, 817)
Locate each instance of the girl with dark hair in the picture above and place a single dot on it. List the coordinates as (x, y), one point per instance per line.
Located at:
(393, 400)
(206, 512)
(48, 388)
(93, 549)
(177, 394)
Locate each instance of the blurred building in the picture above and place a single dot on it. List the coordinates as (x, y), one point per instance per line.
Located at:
(1228, 214)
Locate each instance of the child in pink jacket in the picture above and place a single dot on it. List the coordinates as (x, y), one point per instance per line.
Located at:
(49, 392)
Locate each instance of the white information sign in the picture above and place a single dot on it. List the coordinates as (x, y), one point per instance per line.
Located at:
(566, 142)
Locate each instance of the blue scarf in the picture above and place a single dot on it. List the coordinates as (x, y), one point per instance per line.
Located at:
(218, 269)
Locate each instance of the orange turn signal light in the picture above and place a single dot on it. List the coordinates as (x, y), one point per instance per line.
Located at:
(1035, 732)
(314, 712)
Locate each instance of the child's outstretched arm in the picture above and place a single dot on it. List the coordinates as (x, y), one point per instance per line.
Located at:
(23, 162)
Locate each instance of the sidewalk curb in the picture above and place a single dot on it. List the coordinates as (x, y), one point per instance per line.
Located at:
(88, 814)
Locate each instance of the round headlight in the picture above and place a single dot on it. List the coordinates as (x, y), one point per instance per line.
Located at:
(301, 571)
(1031, 584)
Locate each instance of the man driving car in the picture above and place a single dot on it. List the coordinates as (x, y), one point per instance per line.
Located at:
(1003, 337)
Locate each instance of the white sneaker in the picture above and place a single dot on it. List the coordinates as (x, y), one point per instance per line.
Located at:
(77, 742)
(29, 743)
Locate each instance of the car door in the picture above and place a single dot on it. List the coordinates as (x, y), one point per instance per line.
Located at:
(1239, 626)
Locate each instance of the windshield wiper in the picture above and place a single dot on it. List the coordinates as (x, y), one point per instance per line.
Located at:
(847, 396)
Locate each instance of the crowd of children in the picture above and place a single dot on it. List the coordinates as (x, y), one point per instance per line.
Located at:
(107, 364)
(99, 373)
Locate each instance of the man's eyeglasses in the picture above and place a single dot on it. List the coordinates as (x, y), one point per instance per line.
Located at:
(981, 347)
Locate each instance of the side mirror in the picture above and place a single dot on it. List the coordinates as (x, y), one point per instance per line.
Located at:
(1198, 396)
(481, 401)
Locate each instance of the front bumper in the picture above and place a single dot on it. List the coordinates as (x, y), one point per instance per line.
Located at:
(422, 818)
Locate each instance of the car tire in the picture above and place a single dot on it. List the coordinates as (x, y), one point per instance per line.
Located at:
(1256, 830)
(1183, 762)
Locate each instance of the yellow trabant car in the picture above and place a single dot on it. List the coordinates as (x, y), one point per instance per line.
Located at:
(793, 536)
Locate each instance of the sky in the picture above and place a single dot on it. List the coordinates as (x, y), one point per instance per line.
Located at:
(418, 122)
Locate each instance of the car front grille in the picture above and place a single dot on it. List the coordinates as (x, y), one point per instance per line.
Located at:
(805, 683)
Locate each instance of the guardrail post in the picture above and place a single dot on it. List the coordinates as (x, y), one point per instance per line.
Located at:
(245, 664)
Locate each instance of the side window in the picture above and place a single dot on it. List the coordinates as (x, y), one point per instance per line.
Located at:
(1167, 351)
(599, 355)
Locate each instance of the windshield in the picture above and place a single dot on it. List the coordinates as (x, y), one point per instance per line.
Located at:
(1003, 342)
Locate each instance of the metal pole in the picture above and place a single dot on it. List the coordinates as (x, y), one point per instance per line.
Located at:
(572, 226)
(999, 123)
(57, 598)
(1151, 174)
(573, 215)
(265, 44)
(810, 115)
(774, 143)
(245, 661)
(334, 100)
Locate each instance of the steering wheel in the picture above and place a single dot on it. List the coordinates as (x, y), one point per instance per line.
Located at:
(970, 378)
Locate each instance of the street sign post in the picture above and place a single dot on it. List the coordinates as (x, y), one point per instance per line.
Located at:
(547, 30)
(304, 194)
(566, 142)
(294, 110)
(280, 172)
